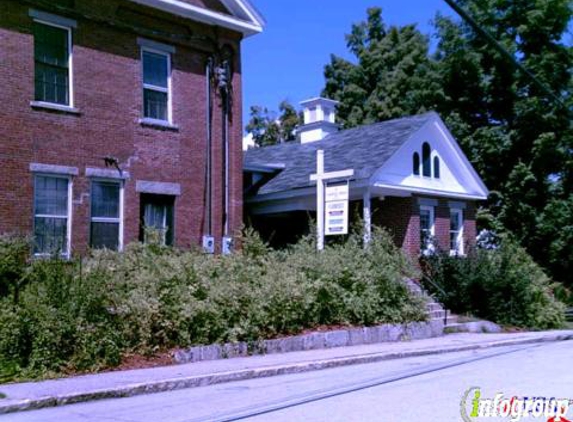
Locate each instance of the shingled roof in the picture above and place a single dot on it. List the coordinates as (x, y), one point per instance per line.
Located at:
(364, 149)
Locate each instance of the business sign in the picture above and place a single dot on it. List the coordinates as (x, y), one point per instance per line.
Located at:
(336, 209)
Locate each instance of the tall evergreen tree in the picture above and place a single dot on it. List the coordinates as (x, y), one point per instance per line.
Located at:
(391, 76)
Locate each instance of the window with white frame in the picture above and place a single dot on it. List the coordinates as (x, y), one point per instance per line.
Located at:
(456, 231)
(427, 228)
(53, 63)
(52, 205)
(156, 84)
(106, 215)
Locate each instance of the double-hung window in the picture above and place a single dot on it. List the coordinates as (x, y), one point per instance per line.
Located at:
(52, 205)
(427, 229)
(456, 231)
(156, 84)
(53, 63)
(106, 215)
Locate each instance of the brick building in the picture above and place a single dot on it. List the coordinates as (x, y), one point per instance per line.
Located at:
(121, 115)
(410, 176)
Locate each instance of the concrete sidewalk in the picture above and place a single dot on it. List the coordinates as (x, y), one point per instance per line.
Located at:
(35, 395)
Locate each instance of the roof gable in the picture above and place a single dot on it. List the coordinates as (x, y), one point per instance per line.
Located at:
(241, 16)
(457, 175)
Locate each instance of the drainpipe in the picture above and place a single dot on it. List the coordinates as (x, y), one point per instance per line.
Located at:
(227, 164)
(224, 83)
(227, 242)
(208, 240)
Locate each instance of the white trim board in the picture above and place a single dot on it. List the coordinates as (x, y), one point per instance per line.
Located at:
(245, 19)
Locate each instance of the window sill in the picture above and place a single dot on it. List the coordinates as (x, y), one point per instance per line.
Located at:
(457, 254)
(158, 124)
(41, 105)
(47, 256)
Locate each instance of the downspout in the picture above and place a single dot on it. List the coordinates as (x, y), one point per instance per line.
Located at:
(225, 93)
(227, 164)
(209, 204)
(208, 240)
(224, 77)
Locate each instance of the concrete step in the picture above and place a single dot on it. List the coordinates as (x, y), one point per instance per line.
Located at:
(452, 318)
(434, 306)
(436, 314)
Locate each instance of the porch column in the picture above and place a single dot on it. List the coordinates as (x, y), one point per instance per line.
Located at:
(367, 217)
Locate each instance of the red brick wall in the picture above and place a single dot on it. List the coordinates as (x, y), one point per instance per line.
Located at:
(107, 92)
(470, 229)
(442, 224)
(401, 216)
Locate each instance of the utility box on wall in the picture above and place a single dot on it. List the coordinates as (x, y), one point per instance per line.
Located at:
(227, 245)
(209, 244)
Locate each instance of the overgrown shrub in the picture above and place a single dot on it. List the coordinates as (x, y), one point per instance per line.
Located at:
(503, 285)
(14, 251)
(86, 315)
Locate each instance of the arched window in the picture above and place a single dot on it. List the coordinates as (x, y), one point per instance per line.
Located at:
(426, 160)
(416, 164)
(436, 167)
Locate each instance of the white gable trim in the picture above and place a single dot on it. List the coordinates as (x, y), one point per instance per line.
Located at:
(458, 178)
(244, 10)
(429, 192)
(245, 20)
(448, 135)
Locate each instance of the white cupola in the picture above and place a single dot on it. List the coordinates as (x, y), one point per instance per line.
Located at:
(319, 119)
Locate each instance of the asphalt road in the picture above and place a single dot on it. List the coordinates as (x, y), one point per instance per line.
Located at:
(426, 389)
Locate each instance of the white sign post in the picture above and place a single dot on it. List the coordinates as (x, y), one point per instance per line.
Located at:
(321, 177)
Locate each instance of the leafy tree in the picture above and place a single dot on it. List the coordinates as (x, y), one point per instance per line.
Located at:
(519, 138)
(393, 74)
(262, 126)
(289, 120)
(267, 129)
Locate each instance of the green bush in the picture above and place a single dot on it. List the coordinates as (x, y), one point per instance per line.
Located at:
(14, 251)
(503, 285)
(85, 315)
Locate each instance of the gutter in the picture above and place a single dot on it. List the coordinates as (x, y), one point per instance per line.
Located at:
(358, 184)
(419, 190)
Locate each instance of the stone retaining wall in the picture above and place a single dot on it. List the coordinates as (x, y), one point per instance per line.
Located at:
(313, 341)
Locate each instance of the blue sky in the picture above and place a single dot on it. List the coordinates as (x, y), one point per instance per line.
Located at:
(286, 61)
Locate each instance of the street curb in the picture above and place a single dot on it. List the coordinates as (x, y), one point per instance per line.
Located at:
(245, 374)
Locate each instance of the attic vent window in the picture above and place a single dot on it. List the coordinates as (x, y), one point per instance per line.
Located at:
(416, 164)
(429, 166)
(436, 167)
(426, 160)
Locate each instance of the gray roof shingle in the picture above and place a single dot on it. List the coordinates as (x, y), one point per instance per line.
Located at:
(364, 149)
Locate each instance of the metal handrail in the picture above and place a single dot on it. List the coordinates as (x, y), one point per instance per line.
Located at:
(443, 293)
